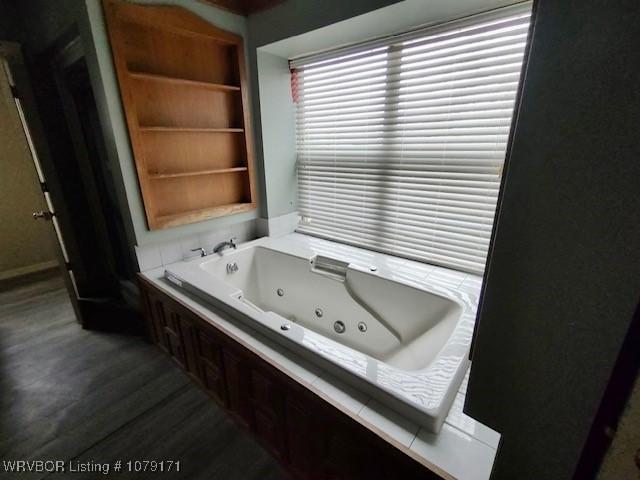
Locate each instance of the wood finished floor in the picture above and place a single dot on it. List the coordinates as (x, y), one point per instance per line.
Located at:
(73, 394)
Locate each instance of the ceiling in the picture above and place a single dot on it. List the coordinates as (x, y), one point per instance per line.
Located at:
(244, 7)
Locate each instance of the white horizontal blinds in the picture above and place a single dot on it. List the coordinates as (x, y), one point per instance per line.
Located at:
(401, 144)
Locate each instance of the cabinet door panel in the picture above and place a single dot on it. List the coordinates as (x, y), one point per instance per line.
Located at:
(267, 398)
(176, 348)
(207, 354)
(175, 326)
(271, 431)
(305, 432)
(213, 382)
(347, 455)
(235, 374)
(208, 348)
(266, 392)
(157, 320)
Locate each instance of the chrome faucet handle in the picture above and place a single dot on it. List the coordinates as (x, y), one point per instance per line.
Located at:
(222, 245)
(203, 252)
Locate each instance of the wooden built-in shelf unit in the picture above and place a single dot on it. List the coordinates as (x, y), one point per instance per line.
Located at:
(184, 91)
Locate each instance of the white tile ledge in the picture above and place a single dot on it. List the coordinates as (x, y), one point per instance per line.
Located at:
(463, 450)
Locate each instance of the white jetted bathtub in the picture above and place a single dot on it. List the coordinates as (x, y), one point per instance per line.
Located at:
(369, 318)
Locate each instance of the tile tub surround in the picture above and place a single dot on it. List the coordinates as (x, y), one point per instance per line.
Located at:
(158, 254)
(278, 226)
(464, 449)
(415, 351)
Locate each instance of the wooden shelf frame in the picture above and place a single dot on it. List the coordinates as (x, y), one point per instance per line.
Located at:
(190, 129)
(197, 84)
(183, 81)
(214, 171)
(199, 214)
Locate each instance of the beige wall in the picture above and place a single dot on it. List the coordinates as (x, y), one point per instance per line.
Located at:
(619, 463)
(25, 244)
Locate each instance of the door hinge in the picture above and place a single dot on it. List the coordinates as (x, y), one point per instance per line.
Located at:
(14, 92)
(44, 187)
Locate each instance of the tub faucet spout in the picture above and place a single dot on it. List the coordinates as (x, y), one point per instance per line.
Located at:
(222, 245)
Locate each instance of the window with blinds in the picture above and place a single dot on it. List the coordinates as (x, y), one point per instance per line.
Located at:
(401, 141)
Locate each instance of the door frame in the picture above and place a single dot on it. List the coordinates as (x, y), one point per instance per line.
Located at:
(68, 55)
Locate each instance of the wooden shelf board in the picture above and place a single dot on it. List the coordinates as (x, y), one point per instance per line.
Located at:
(213, 171)
(184, 81)
(219, 36)
(181, 218)
(191, 129)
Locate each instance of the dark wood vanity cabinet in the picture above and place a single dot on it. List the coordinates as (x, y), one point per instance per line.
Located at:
(237, 387)
(267, 395)
(207, 355)
(311, 438)
(166, 328)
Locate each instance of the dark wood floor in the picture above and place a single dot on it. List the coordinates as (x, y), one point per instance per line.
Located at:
(73, 394)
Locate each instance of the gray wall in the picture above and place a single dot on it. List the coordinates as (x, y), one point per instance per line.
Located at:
(298, 27)
(278, 135)
(620, 460)
(563, 277)
(275, 137)
(46, 22)
(43, 21)
(10, 24)
(294, 17)
(277, 160)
